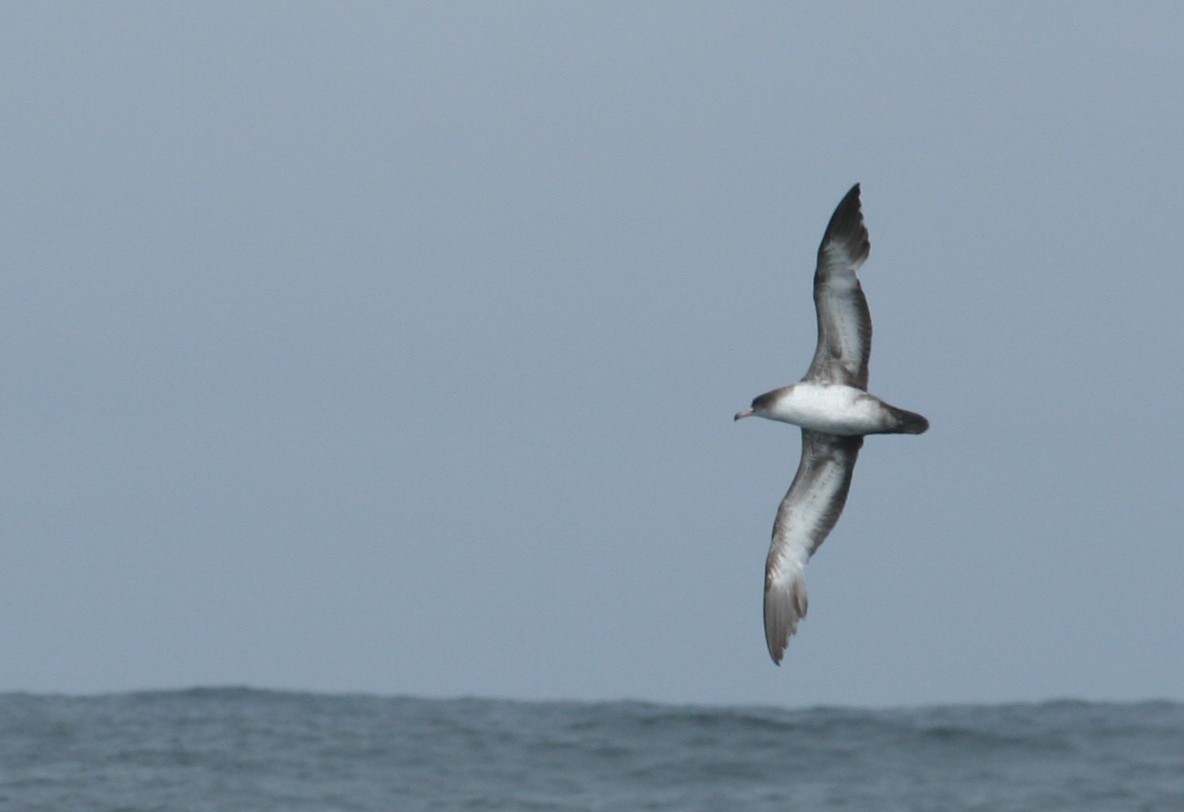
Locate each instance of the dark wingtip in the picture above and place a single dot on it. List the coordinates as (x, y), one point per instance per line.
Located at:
(785, 605)
(846, 227)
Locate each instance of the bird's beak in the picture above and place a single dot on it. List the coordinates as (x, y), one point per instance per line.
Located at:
(745, 413)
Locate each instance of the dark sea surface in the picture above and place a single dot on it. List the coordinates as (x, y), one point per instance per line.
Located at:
(241, 749)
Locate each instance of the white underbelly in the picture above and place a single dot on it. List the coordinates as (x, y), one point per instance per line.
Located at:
(832, 409)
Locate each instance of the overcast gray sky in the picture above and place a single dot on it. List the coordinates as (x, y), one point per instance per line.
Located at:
(395, 348)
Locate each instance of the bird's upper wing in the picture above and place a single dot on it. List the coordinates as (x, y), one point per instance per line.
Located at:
(807, 514)
(844, 323)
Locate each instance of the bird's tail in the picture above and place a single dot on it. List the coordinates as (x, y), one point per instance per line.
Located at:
(907, 422)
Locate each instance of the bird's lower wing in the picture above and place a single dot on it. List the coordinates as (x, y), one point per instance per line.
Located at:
(806, 515)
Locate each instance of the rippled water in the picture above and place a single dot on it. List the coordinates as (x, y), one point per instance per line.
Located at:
(238, 749)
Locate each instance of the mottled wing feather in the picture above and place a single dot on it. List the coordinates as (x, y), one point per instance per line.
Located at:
(844, 322)
(806, 515)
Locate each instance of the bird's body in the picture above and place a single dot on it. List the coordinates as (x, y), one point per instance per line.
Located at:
(832, 406)
(835, 408)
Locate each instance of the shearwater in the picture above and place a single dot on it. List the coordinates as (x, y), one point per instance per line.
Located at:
(835, 411)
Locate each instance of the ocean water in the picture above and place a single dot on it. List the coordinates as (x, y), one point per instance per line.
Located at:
(240, 749)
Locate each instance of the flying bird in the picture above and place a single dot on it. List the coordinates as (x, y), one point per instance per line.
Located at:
(835, 411)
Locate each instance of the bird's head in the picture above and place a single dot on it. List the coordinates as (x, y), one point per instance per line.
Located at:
(762, 404)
